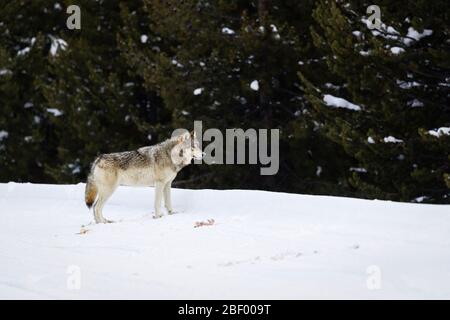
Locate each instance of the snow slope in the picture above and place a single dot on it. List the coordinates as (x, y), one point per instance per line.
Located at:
(262, 245)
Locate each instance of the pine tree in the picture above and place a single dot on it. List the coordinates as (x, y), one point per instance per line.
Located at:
(398, 74)
(104, 107)
(26, 137)
(233, 64)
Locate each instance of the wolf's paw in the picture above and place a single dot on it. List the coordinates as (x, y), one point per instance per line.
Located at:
(157, 216)
(103, 220)
(170, 212)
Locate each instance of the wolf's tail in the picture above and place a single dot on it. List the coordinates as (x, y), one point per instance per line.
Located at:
(91, 191)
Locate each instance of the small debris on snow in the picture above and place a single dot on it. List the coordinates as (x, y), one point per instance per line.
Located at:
(83, 231)
(337, 102)
(391, 139)
(208, 222)
(254, 85)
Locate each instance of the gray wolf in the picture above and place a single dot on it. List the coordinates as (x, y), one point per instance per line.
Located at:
(155, 165)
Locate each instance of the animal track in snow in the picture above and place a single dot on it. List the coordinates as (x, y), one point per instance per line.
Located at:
(277, 257)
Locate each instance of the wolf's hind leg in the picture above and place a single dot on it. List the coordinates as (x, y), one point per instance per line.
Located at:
(103, 196)
(167, 197)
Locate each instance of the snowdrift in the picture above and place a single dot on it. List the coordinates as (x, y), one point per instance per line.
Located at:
(236, 244)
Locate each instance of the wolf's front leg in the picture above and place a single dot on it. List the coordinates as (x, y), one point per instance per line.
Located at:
(159, 189)
(167, 197)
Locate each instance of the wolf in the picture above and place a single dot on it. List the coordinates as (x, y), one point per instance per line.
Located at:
(155, 165)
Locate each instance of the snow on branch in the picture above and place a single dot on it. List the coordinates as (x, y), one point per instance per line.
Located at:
(337, 102)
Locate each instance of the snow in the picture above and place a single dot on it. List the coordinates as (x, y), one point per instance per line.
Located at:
(57, 43)
(397, 50)
(420, 199)
(254, 85)
(339, 103)
(391, 139)
(415, 103)
(365, 53)
(4, 72)
(55, 112)
(356, 169)
(144, 38)
(176, 63)
(228, 31)
(370, 140)
(416, 35)
(28, 105)
(389, 32)
(407, 84)
(274, 30)
(198, 91)
(23, 51)
(3, 134)
(440, 132)
(318, 171)
(262, 245)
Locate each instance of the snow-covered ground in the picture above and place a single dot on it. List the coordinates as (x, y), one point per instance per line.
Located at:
(261, 245)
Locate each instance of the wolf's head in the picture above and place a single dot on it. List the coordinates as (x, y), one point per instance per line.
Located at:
(187, 148)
